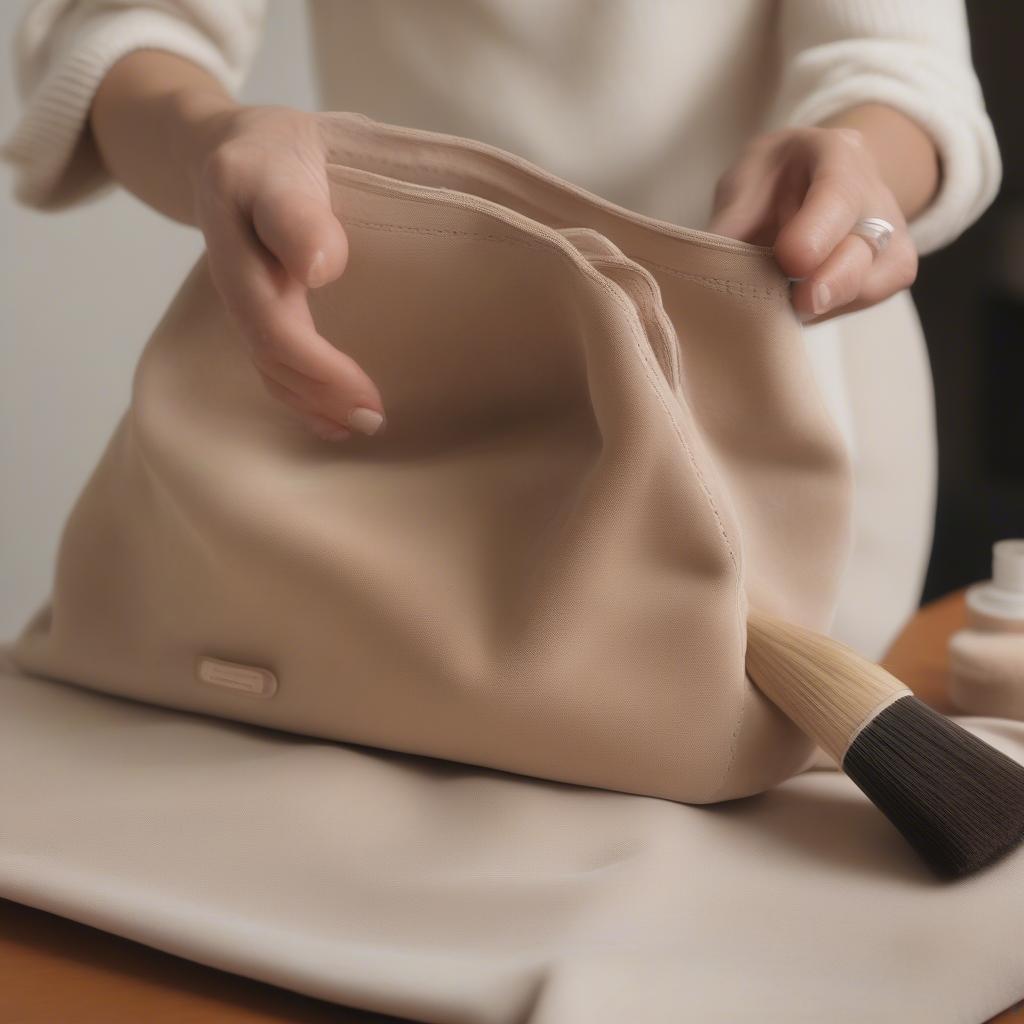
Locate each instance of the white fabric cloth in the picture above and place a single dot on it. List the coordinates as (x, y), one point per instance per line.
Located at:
(442, 893)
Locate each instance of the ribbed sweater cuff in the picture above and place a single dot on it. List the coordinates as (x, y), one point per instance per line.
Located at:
(962, 133)
(54, 160)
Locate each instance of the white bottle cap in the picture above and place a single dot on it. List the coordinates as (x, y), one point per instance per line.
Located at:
(1003, 595)
(1008, 565)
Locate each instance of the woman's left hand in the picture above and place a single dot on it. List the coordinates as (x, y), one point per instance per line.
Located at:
(802, 190)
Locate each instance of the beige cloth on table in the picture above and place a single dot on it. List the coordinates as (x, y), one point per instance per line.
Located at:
(460, 895)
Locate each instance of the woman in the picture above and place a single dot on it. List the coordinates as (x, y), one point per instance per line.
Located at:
(790, 122)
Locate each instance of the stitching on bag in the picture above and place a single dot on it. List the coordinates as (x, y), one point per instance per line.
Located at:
(652, 309)
(721, 284)
(619, 301)
(741, 718)
(408, 229)
(444, 170)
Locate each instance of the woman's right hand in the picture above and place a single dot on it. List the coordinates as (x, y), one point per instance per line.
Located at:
(262, 201)
(254, 180)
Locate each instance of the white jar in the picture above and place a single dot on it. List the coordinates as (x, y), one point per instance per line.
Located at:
(986, 659)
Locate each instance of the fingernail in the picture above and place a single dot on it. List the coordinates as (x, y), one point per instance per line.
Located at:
(821, 298)
(366, 421)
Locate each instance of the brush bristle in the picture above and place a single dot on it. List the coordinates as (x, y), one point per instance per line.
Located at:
(957, 800)
(823, 685)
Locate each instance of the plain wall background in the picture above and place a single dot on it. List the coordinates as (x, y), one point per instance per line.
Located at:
(80, 292)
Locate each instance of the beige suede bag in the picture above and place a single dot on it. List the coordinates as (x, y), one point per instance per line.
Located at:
(604, 443)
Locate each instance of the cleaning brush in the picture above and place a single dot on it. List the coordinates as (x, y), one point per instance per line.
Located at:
(957, 800)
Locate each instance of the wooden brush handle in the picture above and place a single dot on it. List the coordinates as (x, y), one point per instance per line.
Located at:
(829, 690)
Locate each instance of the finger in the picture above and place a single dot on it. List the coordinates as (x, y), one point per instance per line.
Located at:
(308, 388)
(273, 314)
(830, 207)
(837, 282)
(743, 203)
(301, 394)
(893, 270)
(302, 231)
(325, 429)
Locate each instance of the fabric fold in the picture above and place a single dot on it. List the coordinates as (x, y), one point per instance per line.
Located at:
(441, 892)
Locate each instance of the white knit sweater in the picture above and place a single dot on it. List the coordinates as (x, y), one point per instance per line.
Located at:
(643, 101)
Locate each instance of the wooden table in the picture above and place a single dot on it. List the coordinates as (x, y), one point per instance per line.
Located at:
(54, 971)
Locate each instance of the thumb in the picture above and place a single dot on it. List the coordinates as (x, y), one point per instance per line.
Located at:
(301, 230)
(744, 200)
(747, 216)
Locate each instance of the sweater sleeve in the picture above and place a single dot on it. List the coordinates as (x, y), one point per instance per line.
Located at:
(909, 55)
(62, 50)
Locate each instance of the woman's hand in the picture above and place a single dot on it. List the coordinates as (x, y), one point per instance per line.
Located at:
(254, 180)
(263, 204)
(802, 190)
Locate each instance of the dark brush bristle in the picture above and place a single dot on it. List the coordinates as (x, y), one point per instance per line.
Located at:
(958, 801)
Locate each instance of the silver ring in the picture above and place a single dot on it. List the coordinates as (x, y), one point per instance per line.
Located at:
(875, 231)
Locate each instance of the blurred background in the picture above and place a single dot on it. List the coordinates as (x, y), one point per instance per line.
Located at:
(75, 309)
(80, 292)
(970, 297)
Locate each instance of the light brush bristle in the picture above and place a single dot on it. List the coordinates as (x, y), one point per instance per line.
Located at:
(825, 687)
(956, 799)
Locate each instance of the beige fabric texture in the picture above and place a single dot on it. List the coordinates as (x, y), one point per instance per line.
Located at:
(604, 439)
(451, 894)
(604, 444)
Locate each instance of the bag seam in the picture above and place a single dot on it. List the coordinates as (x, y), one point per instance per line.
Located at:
(723, 284)
(646, 356)
(602, 281)
(702, 240)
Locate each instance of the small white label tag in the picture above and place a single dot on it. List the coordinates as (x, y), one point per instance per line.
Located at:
(248, 679)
